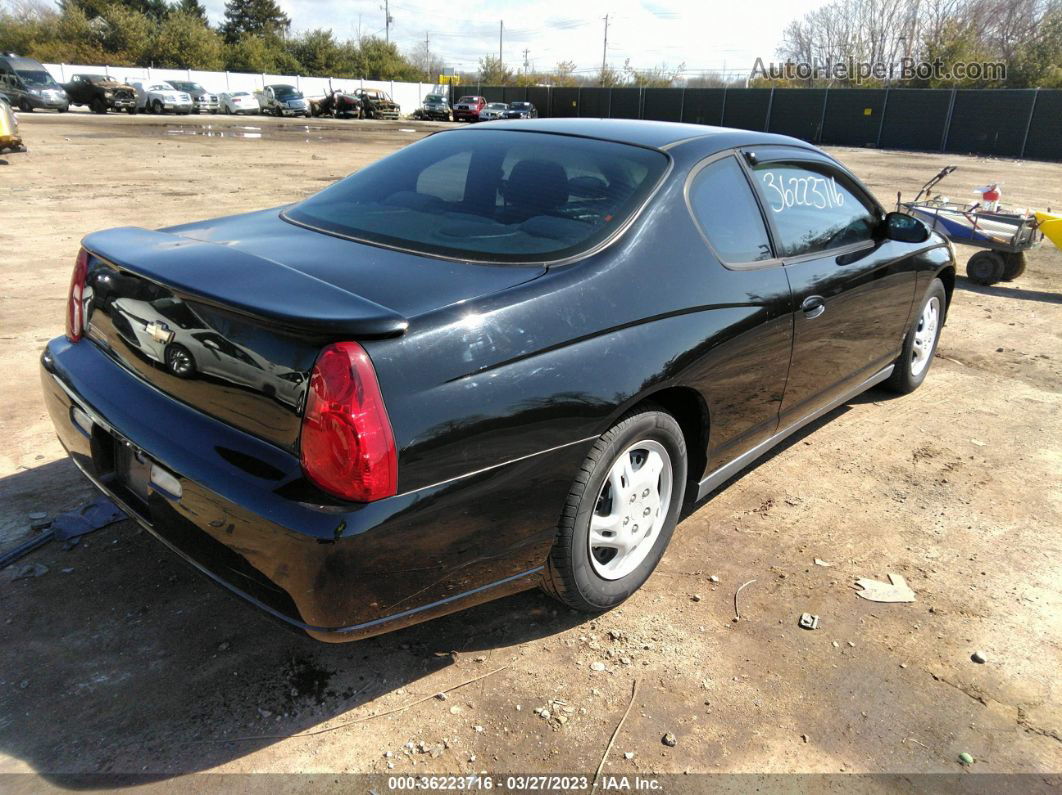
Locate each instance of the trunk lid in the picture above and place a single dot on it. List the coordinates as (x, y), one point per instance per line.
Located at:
(228, 316)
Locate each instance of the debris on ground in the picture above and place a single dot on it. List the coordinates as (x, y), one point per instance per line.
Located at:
(74, 524)
(896, 590)
(695, 598)
(68, 527)
(737, 613)
(669, 740)
(821, 562)
(979, 657)
(597, 666)
(965, 759)
(31, 570)
(713, 578)
(628, 754)
(808, 621)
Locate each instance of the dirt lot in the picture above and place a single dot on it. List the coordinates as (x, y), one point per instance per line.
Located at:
(121, 659)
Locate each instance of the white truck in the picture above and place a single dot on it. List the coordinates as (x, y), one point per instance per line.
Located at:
(282, 100)
(160, 97)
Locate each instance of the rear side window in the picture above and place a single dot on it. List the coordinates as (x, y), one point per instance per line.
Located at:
(812, 208)
(495, 196)
(723, 204)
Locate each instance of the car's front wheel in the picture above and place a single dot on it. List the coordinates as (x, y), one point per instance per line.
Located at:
(620, 513)
(920, 343)
(179, 361)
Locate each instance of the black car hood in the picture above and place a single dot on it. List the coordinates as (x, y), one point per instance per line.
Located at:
(408, 284)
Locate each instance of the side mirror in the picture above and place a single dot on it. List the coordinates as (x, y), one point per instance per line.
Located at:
(905, 228)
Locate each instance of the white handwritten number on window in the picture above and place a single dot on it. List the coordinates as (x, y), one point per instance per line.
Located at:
(818, 192)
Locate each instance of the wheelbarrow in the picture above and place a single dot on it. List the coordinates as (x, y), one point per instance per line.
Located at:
(1003, 236)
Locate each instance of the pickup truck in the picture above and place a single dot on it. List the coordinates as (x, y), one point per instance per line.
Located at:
(376, 104)
(101, 93)
(468, 108)
(202, 100)
(282, 100)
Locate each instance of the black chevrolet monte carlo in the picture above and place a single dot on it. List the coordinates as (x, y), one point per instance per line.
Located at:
(502, 357)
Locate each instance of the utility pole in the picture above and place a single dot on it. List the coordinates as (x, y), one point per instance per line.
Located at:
(501, 33)
(427, 56)
(388, 19)
(604, 52)
(527, 68)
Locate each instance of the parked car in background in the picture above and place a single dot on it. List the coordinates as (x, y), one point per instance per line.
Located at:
(30, 86)
(282, 100)
(434, 108)
(202, 100)
(719, 289)
(337, 103)
(100, 93)
(376, 104)
(521, 110)
(467, 108)
(493, 111)
(159, 97)
(238, 102)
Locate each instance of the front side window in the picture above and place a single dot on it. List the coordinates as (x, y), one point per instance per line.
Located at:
(496, 196)
(723, 204)
(812, 208)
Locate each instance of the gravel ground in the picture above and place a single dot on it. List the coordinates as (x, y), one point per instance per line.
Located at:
(120, 659)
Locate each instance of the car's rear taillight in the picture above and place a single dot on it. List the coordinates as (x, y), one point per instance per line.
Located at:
(347, 447)
(75, 303)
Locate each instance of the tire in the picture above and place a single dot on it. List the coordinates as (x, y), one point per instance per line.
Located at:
(1013, 265)
(179, 361)
(99, 105)
(24, 106)
(920, 342)
(985, 267)
(156, 107)
(131, 111)
(596, 578)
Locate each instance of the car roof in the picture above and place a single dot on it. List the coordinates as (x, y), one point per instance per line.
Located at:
(654, 134)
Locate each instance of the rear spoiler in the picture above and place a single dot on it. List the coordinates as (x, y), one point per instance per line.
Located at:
(251, 285)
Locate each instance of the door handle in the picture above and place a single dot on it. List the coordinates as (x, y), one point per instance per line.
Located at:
(813, 306)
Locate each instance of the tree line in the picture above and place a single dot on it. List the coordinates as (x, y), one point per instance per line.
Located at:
(254, 37)
(1024, 35)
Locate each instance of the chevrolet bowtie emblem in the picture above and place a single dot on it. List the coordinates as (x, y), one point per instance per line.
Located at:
(159, 332)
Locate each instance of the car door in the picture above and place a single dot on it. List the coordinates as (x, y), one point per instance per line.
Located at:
(852, 289)
(743, 376)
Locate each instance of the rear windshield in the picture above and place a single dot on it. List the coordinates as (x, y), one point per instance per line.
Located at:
(490, 195)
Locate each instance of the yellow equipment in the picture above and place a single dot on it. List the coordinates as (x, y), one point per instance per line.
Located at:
(1051, 226)
(9, 137)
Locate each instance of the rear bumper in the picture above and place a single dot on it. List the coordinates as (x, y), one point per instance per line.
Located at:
(247, 518)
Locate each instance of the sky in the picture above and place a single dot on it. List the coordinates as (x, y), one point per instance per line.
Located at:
(705, 36)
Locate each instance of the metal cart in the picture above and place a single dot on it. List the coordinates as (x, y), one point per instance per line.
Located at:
(1005, 237)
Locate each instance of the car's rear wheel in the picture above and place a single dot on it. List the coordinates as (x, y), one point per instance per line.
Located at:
(920, 343)
(620, 513)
